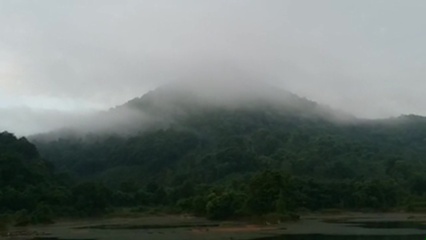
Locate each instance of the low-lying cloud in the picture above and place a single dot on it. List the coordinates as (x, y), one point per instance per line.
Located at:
(26, 121)
(363, 57)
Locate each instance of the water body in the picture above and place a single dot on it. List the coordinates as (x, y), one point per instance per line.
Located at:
(396, 227)
(346, 227)
(348, 237)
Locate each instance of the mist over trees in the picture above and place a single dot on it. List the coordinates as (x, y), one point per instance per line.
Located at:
(220, 138)
(255, 158)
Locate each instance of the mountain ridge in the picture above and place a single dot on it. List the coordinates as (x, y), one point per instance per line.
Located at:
(196, 155)
(176, 102)
(181, 125)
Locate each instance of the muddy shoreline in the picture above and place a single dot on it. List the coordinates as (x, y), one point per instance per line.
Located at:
(186, 227)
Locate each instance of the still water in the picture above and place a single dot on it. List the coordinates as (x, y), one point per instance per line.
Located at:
(360, 227)
(362, 230)
(348, 237)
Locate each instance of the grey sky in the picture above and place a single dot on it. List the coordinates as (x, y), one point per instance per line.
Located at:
(363, 56)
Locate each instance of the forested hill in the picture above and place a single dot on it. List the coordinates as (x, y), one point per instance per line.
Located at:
(251, 153)
(203, 137)
(21, 164)
(175, 104)
(177, 126)
(29, 189)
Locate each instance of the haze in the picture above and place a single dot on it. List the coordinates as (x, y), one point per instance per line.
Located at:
(62, 59)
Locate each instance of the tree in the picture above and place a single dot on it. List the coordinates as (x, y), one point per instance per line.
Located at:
(91, 198)
(264, 190)
(223, 206)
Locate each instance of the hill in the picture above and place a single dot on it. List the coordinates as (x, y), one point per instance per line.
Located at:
(32, 192)
(222, 133)
(176, 121)
(196, 141)
(29, 189)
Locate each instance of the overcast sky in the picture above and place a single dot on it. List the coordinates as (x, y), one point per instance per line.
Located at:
(58, 58)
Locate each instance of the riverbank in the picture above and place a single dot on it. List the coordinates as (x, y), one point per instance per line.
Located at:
(174, 227)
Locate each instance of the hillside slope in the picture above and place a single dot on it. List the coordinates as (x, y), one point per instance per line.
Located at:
(243, 154)
(209, 136)
(30, 191)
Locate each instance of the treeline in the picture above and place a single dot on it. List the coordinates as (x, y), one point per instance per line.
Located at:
(221, 145)
(27, 182)
(222, 164)
(267, 193)
(31, 192)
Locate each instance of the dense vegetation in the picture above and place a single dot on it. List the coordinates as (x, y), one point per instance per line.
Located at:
(29, 190)
(221, 162)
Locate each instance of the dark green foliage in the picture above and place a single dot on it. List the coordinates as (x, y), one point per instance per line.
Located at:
(91, 198)
(28, 185)
(278, 160)
(218, 144)
(42, 214)
(224, 205)
(219, 162)
(264, 191)
(23, 218)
